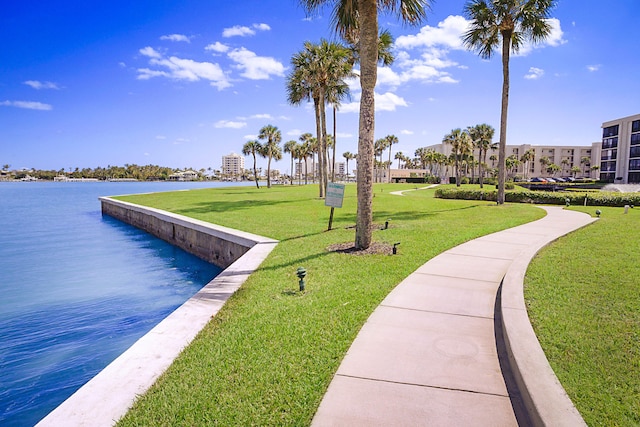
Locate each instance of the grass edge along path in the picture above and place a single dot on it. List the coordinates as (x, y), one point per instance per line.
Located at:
(270, 353)
(582, 294)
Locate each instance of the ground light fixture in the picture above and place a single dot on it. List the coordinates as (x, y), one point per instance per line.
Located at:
(395, 248)
(386, 223)
(598, 213)
(301, 272)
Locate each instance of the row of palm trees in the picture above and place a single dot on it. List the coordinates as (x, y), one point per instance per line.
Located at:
(494, 23)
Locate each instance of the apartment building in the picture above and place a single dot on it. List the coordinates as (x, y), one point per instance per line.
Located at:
(620, 158)
(232, 165)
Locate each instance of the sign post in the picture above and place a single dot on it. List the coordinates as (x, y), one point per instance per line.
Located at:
(334, 198)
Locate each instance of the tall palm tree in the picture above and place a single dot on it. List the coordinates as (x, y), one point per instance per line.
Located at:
(391, 140)
(482, 137)
(378, 149)
(512, 22)
(318, 74)
(252, 148)
(585, 161)
(461, 145)
(399, 156)
(361, 17)
(291, 147)
(271, 148)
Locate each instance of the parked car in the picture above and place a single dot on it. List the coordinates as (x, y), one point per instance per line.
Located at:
(538, 179)
(550, 180)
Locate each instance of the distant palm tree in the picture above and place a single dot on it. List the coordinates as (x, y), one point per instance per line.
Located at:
(461, 145)
(544, 162)
(482, 137)
(348, 156)
(271, 148)
(527, 158)
(585, 162)
(399, 157)
(252, 148)
(361, 18)
(512, 22)
(291, 147)
(391, 140)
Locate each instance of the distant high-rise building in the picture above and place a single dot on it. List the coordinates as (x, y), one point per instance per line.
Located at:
(232, 165)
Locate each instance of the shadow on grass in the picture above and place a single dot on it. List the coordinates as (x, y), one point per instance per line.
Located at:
(226, 206)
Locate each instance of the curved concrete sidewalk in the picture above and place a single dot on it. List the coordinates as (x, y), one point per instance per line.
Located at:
(433, 352)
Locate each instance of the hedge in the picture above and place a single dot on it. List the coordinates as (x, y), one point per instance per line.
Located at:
(544, 197)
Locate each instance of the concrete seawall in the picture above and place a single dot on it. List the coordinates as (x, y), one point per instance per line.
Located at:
(109, 395)
(215, 244)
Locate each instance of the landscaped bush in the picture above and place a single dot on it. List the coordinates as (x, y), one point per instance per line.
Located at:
(543, 197)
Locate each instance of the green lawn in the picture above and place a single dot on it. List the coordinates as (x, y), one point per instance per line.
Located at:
(583, 295)
(269, 355)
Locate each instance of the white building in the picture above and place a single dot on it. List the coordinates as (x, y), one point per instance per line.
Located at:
(233, 165)
(620, 159)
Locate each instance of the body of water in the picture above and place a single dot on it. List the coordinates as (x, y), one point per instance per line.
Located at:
(77, 289)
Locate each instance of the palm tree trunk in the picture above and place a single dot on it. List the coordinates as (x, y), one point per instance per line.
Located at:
(255, 171)
(318, 110)
(502, 149)
(335, 142)
(368, 27)
(269, 171)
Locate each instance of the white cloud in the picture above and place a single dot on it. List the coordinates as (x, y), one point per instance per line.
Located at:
(294, 132)
(262, 116)
(262, 27)
(150, 52)
(406, 132)
(229, 124)
(176, 38)
(554, 39)
(161, 137)
(593, 68)
(250, 137)
(29, 105)
(217, 47)
(182, 69)
(447, 34)
(243, 31)
(384, 102)
(41, 85)
(256, 67)
(237, 30)
(343, 135)
(534, 73)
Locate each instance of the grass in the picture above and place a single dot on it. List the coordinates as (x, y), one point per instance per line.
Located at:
(269, 355)
(583, 296)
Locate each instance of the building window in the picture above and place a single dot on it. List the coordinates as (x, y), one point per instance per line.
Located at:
(607, 177)
(610, 131)
(635, 126)
(634, 164)
(608, 166)
(610, 142)
(634, 152)
(609, 155)
(634, 177)
(635, 138)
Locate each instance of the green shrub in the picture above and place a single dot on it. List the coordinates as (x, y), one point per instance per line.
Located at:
(544, 197)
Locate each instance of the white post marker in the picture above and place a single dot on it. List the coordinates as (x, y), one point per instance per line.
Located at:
(334, 198)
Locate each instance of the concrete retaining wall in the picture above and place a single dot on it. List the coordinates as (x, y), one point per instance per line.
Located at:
(215, 244)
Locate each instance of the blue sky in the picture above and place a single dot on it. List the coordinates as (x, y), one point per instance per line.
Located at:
(181, 83)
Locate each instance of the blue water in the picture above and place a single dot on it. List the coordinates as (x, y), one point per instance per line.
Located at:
(77, 289)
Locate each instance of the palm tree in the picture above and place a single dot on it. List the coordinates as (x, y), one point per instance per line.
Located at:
(575, 170)
(318, 74)
(253, 147)
(527, 157)
(361, 17)
(482, 137)
(271, 148)
(378, 148)
(585, 162)
(290, 147)
(461, 145)
(513, 22)
(399, 157)
(348, 156)
(391, 140)
(544, 162)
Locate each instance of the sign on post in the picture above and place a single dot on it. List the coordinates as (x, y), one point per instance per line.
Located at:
(335, 195)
